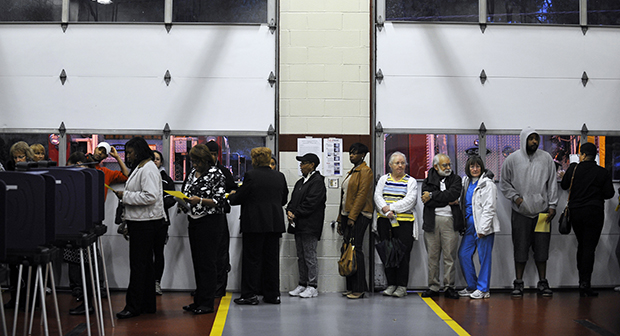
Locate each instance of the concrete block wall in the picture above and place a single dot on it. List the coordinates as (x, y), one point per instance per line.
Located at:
(324, 89)
(324, 67)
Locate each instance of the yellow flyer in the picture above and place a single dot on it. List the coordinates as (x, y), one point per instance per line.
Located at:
(543, 225)
(176, 194)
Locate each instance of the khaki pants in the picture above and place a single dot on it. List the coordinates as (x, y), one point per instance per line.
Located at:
(443, 241)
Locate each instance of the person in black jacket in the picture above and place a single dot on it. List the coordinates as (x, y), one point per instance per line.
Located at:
(223, 255)
(263, 194)
(442, 222)
(161, 234)
(591, 186)
(305, 213)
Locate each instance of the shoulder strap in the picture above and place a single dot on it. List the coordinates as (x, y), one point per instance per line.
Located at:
(571, 183)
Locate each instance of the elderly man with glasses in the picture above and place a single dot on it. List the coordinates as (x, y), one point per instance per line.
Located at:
(442, 222)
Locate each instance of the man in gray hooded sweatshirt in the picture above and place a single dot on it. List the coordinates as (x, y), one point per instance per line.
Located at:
(528, 180)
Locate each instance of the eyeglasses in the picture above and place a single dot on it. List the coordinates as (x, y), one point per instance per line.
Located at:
(445, 165)
(304, 162)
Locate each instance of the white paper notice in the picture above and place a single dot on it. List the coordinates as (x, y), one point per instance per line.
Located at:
(310, 145)
(332, 157)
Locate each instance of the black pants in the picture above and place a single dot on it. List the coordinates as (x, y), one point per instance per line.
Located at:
(161, 237)
(205, 234)
(260, 265)
(397, 276)
(141, 291)
(223, 262)
(357, 282)
(587, 222)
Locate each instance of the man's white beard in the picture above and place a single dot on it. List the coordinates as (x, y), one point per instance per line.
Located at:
(445, 172)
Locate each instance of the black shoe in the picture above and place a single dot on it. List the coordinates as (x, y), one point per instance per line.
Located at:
(193, 293)
(276, 300)
(80, 310)
(430, 293)
(247, 301)
(585, 290)
(450, 293)
(543, 288)
(518, 288)
(190, 307)
(125, 314)
(203, 310)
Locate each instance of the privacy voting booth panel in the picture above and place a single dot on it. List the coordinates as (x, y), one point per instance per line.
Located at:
(2, 219)
(116, 77)
(432, 77)
(71, 198)
(26, 214)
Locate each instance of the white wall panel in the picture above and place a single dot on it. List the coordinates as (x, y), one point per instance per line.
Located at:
(534, 77)
(115, 77)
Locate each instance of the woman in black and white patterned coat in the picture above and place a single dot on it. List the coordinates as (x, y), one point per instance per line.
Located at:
(205, 188)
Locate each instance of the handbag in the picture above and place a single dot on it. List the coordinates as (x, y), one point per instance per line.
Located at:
(347, 265)
(564, 224)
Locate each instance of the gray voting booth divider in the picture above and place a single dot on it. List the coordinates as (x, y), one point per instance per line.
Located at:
(47, 208)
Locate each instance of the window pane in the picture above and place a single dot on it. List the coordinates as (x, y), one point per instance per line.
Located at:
(30, 10)
(611, 155)
(533, 11)
(8, 139)
(116, 10)
(86, 143)
(242, 11)
(234, 153)
(604, 12)
(421, 148)
(432, 10)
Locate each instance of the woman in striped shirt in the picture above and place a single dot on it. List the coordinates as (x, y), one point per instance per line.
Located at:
(395, 198)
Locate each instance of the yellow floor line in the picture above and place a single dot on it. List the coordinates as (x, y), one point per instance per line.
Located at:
(220, 317)
(442, 315)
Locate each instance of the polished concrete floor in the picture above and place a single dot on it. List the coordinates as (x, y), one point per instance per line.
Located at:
(331, 314)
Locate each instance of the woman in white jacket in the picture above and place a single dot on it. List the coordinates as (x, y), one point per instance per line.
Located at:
(478, 202)
(395, 198)
(144, 213)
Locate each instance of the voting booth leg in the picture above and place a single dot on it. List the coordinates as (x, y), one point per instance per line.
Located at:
(98, 281)
(85, 294)
(105, 278)
(96, 300)
(4, 330)
(28, 283)
(38, 285)
(19, 276)
(48, 271)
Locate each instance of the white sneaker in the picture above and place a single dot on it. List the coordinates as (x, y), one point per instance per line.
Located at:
(297, 291)
(478, 294)
(465, 292)
(400, 291)
(158, 288)
(617, 289)
(389, 290)
(309, 292)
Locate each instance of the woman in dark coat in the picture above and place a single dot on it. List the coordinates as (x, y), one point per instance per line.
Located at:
(305, 213)
(591, 186)
(161, 234)
(262, 196)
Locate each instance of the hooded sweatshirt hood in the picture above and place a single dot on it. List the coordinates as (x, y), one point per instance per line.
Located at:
(525, 133)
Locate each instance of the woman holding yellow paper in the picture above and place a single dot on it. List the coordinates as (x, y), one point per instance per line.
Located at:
(205, 187)
(478, 202)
